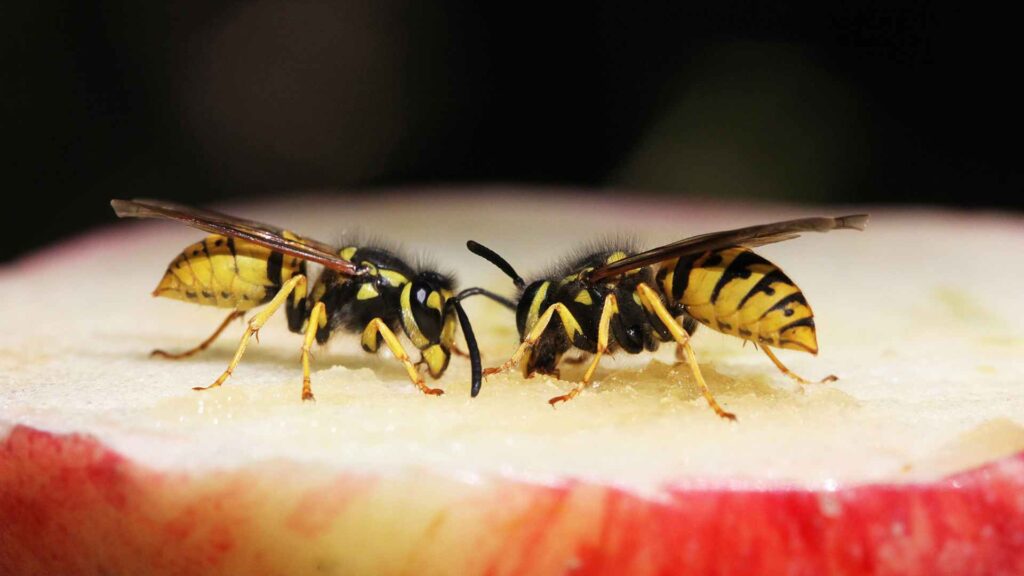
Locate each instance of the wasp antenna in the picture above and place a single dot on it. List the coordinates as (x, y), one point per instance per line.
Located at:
(476, 368)
(853, 221)
(488, 294)
(467, 330)
(492, 257)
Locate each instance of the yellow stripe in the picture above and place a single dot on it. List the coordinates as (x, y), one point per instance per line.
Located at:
(704, 278)
(754, 308)
(800, 338)
(583, 297)
(434, 301)
(200, 264)
(448, 330)
(615, 257)
(251, 262)
(223, 265)
(409, 322)
(538, 299)
(394, 278)
(367, 291)
(182, 271)
(777, 319)
(730, 296)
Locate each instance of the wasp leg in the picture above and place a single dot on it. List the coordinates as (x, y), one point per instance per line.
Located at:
(611, 307)
(680, 355)
(455, 350)
(317, 319)
(568, 321)
(377, 326)
(782, 368)
(297, 282)
(205, 343)
(654, 303)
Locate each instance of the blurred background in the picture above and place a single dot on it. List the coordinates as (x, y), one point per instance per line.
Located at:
(880, 102)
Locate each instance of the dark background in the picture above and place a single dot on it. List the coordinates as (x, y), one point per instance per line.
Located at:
(876, 102)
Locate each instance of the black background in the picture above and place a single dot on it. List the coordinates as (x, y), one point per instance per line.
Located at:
(876, 102)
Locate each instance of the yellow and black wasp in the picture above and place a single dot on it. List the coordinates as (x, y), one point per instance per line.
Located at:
(245, 264)
(616, 298)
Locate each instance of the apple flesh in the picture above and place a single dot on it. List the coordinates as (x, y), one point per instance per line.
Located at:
(72, 506)
(911, 464)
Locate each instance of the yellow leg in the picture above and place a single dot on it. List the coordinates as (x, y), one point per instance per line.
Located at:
(570, 323)
(793, 375)
(680, 354)
(205, 343)
(653, 302)
(317, 319)
(377, 326)
(297, 282)
(611, 307)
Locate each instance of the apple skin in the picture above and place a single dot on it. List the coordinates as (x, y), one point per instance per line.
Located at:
(70, 505)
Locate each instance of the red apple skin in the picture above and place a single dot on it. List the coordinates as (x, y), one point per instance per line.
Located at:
(69, 505)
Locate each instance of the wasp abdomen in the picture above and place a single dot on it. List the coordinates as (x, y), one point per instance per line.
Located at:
(227, 273)
(737, 292)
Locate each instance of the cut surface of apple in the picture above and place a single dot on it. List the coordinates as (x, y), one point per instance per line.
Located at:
(910, 463)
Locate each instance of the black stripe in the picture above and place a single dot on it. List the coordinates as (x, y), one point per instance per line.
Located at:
(781, 304)
(765, 285)
(274, 268)
(234, 256)
(738, 268)
(681, 276)
(809, 322)
(712, 261)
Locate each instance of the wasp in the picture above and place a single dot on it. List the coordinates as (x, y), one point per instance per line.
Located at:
(245, 264)
(618, 298)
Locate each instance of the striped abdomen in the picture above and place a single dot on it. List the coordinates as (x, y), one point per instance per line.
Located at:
(227, 273)
(740, 293)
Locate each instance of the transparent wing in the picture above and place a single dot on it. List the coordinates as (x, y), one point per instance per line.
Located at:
(266, 235)
(750, 237)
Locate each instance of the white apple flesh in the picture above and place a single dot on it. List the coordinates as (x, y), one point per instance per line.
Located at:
(910, 464)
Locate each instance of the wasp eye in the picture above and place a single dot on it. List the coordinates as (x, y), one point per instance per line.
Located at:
(420, 294)
(426, 307)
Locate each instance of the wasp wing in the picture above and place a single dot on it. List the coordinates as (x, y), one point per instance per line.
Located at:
(266, 235)
(750, 237)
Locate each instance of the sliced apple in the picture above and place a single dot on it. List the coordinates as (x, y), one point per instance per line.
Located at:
(913, 462)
